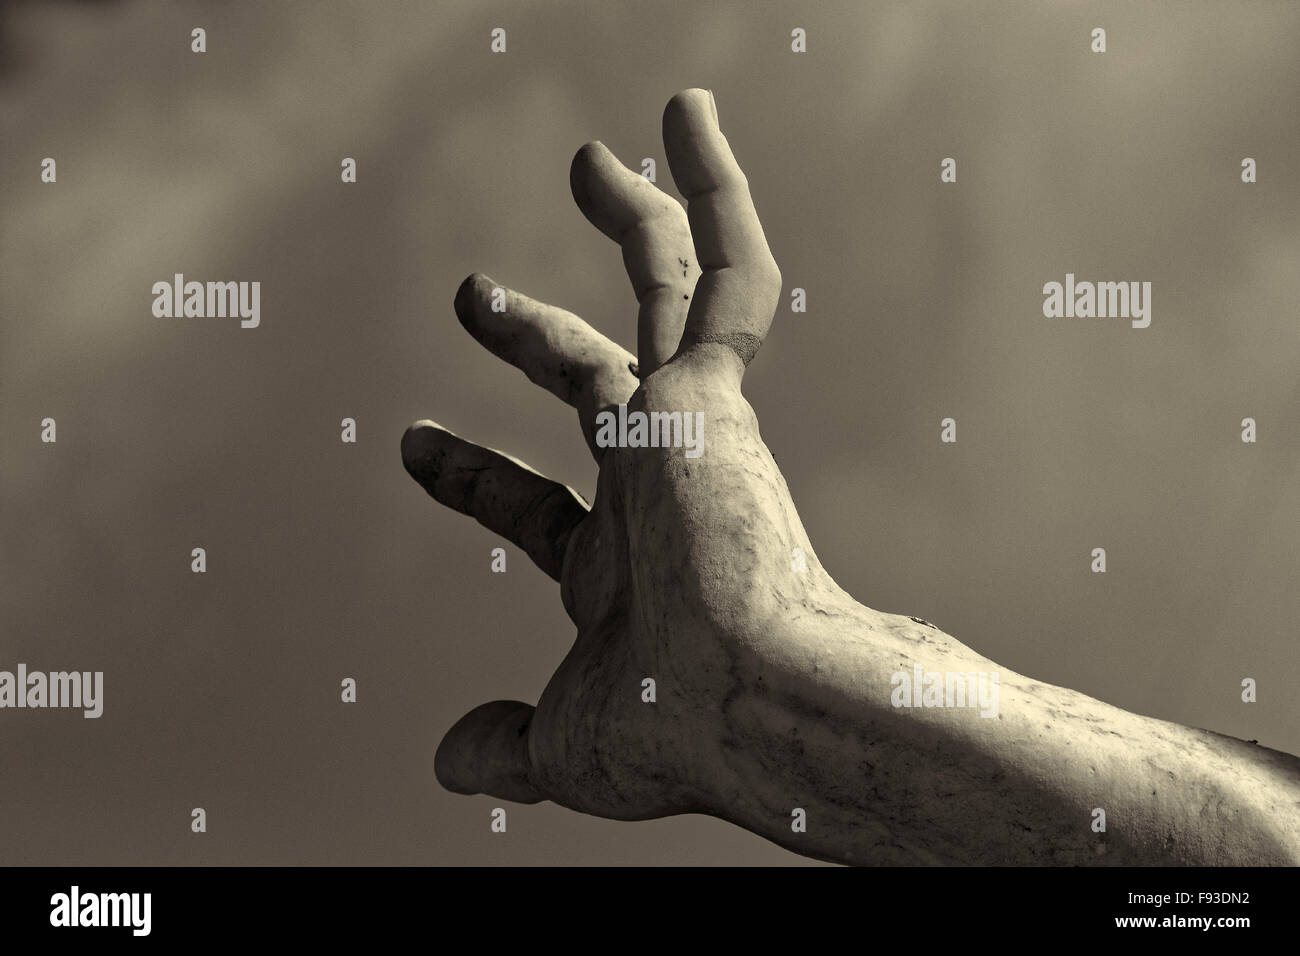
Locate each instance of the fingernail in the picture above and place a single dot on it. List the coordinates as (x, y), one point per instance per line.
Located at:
(713, 104)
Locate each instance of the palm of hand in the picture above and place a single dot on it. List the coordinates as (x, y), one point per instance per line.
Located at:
(681, 565)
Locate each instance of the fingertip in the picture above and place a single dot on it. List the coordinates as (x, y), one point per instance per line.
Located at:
(689, 97)
(469, 294)
(418, 441)
(464, 301)
(580, 173)
(695, 105)
(486, 751)
(448, 761)
(592, 175)
(587, 156)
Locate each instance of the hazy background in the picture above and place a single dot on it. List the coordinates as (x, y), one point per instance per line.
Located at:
(326, 561)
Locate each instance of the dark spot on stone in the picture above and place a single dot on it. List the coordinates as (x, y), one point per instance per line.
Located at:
(632, 367)
(922, 621)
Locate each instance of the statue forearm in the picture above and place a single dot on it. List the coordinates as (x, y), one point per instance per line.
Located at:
(886, 784)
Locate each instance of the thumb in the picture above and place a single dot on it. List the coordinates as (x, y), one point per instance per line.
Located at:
(486, 751)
